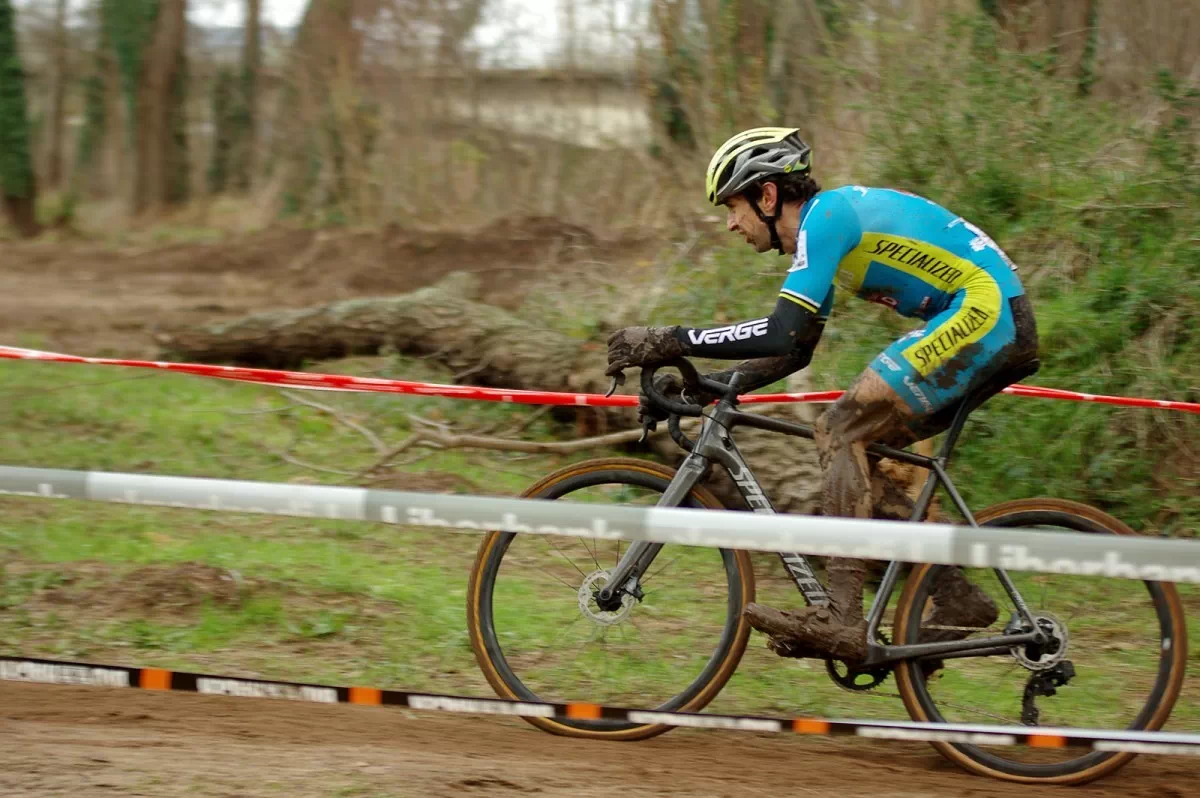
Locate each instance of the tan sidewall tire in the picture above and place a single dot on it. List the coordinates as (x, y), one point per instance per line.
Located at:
(703, 497)
(905, 672)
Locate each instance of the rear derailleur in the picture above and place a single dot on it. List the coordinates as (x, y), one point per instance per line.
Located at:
(1043, 683)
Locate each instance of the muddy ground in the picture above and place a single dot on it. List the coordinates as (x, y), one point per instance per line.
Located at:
(100, 300)
(82, 741)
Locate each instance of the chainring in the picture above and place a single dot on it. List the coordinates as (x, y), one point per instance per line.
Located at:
(858, 680)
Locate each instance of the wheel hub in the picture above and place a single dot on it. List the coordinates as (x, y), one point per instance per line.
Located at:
(592, 611)
(1041, 656)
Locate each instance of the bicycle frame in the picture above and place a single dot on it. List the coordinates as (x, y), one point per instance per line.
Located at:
(715, 444)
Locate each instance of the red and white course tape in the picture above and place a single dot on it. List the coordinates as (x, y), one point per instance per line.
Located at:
(341, 382)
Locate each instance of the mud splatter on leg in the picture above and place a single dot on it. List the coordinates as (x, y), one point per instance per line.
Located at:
(869, 411)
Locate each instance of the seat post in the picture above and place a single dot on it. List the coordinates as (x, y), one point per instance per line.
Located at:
(956, 427)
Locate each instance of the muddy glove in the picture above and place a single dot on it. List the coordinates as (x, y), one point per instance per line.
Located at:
(641, 346)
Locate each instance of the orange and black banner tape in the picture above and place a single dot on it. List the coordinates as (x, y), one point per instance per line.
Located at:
(82, 673)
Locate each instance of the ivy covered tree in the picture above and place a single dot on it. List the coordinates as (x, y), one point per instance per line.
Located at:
(232, 163)
(223, 101)
(148, 37)
(245, 112)
(17, 184)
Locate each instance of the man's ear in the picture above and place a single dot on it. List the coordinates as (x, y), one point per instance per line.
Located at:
(769, 198)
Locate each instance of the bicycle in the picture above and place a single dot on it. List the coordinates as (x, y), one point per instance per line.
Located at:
(536, 642)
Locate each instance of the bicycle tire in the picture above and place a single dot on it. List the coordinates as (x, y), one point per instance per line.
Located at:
(1087, 767)
(490, 655)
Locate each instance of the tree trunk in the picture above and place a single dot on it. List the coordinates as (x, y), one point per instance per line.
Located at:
(751, 21)
(18, 187)
(160, 152)
(456, 20)
(440, 321)
(489, 346)
(314, 131)
(247, 144)
(54, 165)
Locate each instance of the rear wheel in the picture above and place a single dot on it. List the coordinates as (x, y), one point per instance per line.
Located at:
(1116, 657)
(538, 634)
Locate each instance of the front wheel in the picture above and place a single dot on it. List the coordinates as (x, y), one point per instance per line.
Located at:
(1114, 659)
(538, 634)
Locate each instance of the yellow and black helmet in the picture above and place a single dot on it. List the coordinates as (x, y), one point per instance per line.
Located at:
(752, 155)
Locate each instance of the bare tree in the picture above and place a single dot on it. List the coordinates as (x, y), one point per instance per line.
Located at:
(160, 164)
(456, 21)
(251, 65)
(54, 161)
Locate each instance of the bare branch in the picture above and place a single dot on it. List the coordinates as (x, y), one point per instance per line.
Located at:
(530, 419)
(302, 464)
(375, 440)
(443, 438)
(478, 367)
(286, 455)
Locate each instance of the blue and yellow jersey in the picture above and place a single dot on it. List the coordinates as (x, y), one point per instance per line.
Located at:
(905, 252)
(897, 249)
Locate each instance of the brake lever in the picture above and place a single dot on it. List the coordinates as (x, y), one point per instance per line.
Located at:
(618, 380)
(648, 425)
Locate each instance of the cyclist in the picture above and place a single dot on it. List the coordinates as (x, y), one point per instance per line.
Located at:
(885, 246)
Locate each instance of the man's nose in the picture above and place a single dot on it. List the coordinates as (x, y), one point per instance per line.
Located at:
(731, 221)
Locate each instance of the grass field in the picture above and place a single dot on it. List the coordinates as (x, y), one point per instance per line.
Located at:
(344, 602)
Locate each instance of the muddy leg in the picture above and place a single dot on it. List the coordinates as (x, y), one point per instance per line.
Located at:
(869, 411)
(889, 500)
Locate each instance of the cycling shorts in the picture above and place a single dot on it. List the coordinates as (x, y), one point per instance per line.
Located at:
(955, 352)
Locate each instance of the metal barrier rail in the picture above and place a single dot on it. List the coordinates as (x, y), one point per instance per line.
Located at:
(1158, 559)
(91, 674)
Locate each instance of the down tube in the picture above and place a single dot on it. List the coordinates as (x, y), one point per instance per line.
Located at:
(797, 564)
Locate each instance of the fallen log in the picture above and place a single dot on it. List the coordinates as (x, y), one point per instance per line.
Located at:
(443, 322)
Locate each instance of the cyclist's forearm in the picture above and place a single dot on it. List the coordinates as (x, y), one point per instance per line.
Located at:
(761, 372)
(787, 329)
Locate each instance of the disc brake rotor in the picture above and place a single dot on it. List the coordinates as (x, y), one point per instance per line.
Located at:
(592, 584)
(1043, 656)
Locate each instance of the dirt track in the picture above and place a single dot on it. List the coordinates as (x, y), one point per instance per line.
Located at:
(95, 741)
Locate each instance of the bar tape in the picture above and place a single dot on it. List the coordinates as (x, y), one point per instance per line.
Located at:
(90, 674)
(1120, 556)
(338, 382)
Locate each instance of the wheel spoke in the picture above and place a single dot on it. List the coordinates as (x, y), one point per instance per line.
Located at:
(562, 581)
(976, 711)
(591, 553)
(653, 574)
(566, 557)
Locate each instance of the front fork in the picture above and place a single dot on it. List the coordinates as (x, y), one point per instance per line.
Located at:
(640, 554)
